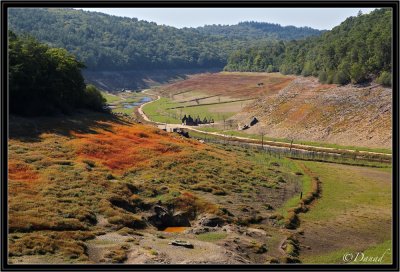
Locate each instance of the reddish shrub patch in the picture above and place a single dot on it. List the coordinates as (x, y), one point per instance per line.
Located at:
(21, 171)
(125, 147)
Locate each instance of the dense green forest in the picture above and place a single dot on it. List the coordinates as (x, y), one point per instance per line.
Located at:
(357, 50)
(105, 42)
(256, 30)
(45, 80)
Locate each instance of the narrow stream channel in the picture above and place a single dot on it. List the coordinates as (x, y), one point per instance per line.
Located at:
(129, 105)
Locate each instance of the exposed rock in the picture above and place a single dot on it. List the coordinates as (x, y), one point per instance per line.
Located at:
(200, 230)
(181, 243)
(181, 219)
(253, 121)
(163, 218)
(211, 221)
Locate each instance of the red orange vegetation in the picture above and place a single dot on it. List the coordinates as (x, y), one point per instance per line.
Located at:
(238, 85)
(21, 171)
(125, 147)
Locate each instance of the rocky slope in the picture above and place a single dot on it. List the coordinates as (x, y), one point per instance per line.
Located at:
(309, 111)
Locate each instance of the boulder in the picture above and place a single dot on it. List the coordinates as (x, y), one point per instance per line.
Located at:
(211, 221)
(162, 218)
(253, 121)
(200, 230)
(181, 219)
(181, 243)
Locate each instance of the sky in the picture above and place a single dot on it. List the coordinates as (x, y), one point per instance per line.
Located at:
(319, 18)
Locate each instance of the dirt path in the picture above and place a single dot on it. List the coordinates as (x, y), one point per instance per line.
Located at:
(153, 250)
(142, 114)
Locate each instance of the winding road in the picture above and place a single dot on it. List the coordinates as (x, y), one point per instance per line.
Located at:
(266, 143)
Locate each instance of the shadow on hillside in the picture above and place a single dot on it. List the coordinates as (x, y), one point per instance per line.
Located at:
(139, 79)
(28, 129)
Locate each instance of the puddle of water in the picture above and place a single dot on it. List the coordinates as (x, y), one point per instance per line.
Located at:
(175, 229)
(134, 104)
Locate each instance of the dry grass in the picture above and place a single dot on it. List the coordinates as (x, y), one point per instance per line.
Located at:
(308, 111)
(237, 85)
(21, 171)
(66, 176)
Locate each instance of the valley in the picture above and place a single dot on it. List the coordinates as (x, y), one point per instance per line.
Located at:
(147, 183)
(288, 109)
(134, 142)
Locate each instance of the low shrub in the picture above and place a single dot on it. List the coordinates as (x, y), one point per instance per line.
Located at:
(341, 78)
(323, 77)
(127, 220)
(291, 220)
(385, 78)
(117, 255)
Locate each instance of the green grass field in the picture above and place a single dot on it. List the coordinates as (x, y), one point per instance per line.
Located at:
(118, 102)
(110, 98)
(211, 236)
(160, 111)
(353, 214)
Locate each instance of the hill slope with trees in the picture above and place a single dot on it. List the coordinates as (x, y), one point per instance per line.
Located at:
(357, 50)
(45, 80)
(105, 42)
(256, 30)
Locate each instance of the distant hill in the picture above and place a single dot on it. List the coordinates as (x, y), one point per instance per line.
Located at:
(256, 30)
(357, 50)
(105, 42)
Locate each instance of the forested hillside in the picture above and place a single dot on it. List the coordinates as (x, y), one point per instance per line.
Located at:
(45, 80)
(105, 42)
(257, 30)
(357, 50)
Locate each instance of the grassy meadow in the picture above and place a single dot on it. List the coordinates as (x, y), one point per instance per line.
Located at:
(353, 213)
(121, 102)
(212, 95)
(97, 178)
(73, 180)
(165, 110)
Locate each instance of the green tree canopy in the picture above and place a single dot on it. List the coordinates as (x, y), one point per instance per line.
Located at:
(105, 42)
(357, 50)
(45, 80)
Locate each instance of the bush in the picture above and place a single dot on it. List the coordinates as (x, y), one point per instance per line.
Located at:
(117, 255)
(307, 70)
(331, 75)
(284, 69)
(92, 98)
(341, 78)
(357, 73)
(270, 69)
(323, 77)
(126, 220)
(385, 79)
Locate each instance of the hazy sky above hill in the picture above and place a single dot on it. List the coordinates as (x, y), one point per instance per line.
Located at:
(319, 18)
